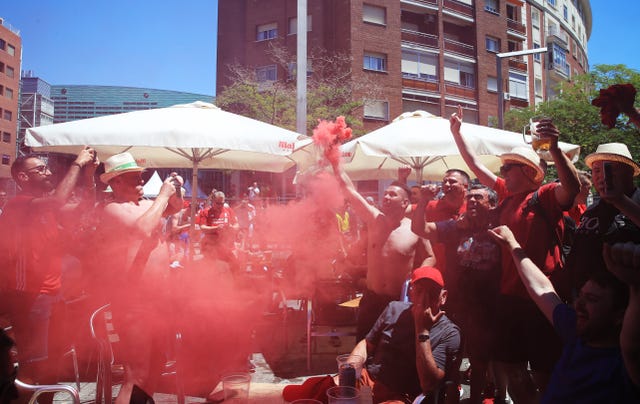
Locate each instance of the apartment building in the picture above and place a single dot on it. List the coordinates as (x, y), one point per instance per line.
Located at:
(10, 64)
(431, 55)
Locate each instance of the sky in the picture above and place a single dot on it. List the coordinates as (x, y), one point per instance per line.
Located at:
(171, 44)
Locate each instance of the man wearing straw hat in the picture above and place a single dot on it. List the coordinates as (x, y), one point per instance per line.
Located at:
(523, 333)
(135, 261)
(613, 171)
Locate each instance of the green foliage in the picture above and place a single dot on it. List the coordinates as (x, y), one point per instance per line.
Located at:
(575, 117)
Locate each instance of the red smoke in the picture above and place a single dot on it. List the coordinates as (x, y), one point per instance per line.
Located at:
(330, 135)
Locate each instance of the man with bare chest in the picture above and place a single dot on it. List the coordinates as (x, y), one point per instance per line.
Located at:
(393, 250)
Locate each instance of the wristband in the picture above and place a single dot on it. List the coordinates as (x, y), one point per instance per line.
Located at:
(423, 337)
(76, 164)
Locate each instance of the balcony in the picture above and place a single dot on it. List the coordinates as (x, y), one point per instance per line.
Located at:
(457, 7)
(420, 38)
(518, 64)
(409, 81)
(557, 36)
(460, 91)
(431, 3)
(516, 27)
(459, 48)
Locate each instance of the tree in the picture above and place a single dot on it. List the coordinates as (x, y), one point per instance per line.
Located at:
(575, 117)
(332, 91)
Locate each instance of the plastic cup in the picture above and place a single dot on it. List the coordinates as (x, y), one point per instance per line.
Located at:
(236, 388)
(539, 144)
(343, 395)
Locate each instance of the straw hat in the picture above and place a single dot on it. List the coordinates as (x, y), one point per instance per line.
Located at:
(526, 156)
(119, 164)
(613, 152)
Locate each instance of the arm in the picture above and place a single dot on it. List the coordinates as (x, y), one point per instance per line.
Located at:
(425, 250)
(538, 285)
(362, 209)
(615, 257)
(63, 191)
(429, 373)
(418, 224)
(569, 182)
(485, 176)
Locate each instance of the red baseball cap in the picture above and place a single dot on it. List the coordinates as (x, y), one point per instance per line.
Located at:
(430, 273)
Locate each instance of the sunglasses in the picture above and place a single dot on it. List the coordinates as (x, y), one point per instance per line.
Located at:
(505, 168)
(41, 169)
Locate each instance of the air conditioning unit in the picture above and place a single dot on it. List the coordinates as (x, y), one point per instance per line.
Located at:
(507, 96)
(429, 19)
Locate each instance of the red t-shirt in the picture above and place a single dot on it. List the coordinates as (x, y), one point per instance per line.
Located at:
(207, 217)
(31, 247)
(531, 231)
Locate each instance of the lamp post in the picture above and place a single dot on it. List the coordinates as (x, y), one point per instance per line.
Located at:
(499, 57)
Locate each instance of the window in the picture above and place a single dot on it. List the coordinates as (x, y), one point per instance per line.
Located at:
(375, 109)
(375, 61)
(559, 59)
(518, 85)
(267, 31)
(536, 56)
(267, 73)
(419, 65)
(8, 93)
(493, 44)
(11, 50)
(552, 2)
(6, 159)
(293, 25)
(292, 69)
(6, 137)
(7, 115)
(374, 14)
(537, 83)
(9, 71)
(1, 67)
(492, 84)
(535, 17)
(459, 73)
(3, 44)
(565, 13)
(492, 6)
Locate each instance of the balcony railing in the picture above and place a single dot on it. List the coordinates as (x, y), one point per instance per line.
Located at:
(557, 33)
(458, 7)
(516, 26)
(420, 38)
(460, 91)
(420, 84)
(518, 64)
(428, 2)
(459, 47)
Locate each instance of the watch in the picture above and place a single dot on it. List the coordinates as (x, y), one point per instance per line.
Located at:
(423, 337)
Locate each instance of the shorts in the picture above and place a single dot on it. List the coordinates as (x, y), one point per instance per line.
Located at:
(523, 334)
(37, 321)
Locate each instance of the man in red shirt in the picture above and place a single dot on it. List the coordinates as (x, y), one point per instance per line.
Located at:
(526, 333)
(219, 226)
(31, 250)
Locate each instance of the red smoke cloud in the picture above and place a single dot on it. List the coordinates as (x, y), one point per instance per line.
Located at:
(330, 135)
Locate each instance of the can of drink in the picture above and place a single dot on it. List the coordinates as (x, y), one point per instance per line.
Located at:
(347, 375)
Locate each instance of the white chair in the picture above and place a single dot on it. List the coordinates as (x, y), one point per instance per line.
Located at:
(39, 389)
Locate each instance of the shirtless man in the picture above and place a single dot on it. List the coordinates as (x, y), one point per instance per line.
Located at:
(136, 268)
(393, 250)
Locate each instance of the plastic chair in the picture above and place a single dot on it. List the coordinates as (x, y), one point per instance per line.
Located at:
(104, 333)
(323, 310)
(39, 389)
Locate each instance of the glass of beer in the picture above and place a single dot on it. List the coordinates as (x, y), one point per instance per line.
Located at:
(539, 143)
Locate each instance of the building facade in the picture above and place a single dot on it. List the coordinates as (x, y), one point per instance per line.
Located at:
(10, 65)
(36, 106)
(73, 102)
(430, 55)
